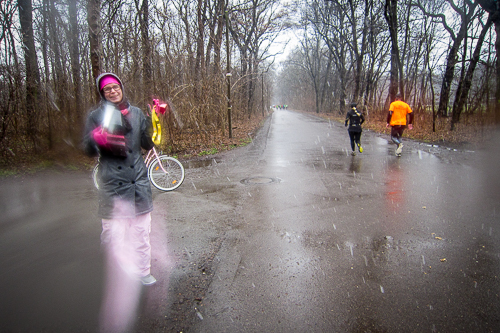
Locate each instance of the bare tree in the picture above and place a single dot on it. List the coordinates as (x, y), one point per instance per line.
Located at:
(32, 70)
(330, 21)
(173, 49)
(147, 72)
(465, 84)
(184, 14)
(358, 50)
(314, 58)
(391, 16)
(295, 85)
(377, 46)
(242, 34)
(216, 27)
(74, 49)
(94, 24)
(10, 89)
(492, 7)
(465, 14)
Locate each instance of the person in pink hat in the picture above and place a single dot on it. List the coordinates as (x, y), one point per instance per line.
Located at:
(116, 132)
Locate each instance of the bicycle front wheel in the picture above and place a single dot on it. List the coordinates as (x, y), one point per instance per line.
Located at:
(166, 173)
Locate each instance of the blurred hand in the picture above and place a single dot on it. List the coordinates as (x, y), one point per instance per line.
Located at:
(410, 126)
(100, 136)
(387, 126)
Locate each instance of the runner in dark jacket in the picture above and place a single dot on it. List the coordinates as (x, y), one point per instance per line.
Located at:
(355, 119)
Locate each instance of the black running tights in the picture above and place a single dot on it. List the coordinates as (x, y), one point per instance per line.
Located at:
(355, 138)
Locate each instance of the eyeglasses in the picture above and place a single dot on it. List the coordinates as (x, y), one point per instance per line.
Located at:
(107, 90)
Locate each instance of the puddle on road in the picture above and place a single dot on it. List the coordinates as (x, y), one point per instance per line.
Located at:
(259, 180)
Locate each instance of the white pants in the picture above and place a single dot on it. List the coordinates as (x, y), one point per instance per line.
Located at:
(127, 243)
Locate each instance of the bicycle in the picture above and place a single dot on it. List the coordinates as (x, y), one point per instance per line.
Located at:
(164, 172)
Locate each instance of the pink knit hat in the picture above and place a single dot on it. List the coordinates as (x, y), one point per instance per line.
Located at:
(107, 80)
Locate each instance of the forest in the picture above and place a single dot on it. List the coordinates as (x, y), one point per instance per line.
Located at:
(215, 62)
(439, 54)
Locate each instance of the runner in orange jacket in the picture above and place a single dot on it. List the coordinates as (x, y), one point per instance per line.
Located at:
(396, 118)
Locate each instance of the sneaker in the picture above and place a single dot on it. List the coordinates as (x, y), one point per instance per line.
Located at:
(399, 149)
(148, 280)
(353, 153)
(360, 148)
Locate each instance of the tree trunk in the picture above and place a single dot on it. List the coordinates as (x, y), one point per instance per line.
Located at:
(497, 49)
(358, 58)
(390, 13)
(32, 71)
(93, 20)
(59, 77)
(147, 71)
(492, 7)
(75, 66)
(325, 80)
(184, 13)
(199, 63)
(448, 78)
(46, 74)
(218, 36)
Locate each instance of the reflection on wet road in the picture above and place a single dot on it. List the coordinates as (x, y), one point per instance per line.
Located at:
(356, 243)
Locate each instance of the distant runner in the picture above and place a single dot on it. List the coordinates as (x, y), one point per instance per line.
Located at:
(355, 118)
(396, 118)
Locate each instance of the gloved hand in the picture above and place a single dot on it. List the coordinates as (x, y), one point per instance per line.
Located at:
(103, 139)
(100, 136)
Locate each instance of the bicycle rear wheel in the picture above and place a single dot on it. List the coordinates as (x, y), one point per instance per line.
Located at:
(166, 173)
(95, 176)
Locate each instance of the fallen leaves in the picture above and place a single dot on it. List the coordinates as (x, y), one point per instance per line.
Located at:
(436, 237)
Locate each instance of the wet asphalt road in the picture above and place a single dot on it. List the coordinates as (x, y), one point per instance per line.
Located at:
(288, 234)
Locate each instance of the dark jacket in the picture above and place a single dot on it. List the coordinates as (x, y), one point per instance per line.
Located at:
(124, 191)
(355, 119)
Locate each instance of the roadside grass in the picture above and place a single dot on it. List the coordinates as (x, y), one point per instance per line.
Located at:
(211, 151)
